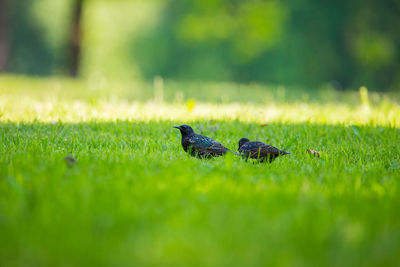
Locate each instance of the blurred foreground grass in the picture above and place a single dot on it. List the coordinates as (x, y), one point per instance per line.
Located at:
(136, 199)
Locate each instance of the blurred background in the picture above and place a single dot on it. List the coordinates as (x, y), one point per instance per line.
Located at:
(307, 43)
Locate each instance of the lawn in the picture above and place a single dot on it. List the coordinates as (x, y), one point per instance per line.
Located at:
(134, 198)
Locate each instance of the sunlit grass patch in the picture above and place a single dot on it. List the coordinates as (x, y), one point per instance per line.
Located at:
(54, 110)
(53, 100)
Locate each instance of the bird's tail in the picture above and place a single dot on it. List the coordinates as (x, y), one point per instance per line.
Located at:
(284, 152)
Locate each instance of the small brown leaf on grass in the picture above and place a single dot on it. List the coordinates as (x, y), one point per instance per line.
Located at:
(313, 152)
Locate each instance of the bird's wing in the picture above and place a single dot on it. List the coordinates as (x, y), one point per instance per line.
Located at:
(206, 144)
(268, 149)
(262, 150)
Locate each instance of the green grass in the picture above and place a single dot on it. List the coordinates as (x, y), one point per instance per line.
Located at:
(136, 199)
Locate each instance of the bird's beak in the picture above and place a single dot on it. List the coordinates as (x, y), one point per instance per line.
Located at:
(177, 127)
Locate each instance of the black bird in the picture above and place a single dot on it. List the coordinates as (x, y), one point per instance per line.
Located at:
(199, 145)
(259, 150)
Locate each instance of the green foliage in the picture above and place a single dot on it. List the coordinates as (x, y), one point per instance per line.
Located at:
(299, 43)
(218, 40)
(29, 53)
(135, 198)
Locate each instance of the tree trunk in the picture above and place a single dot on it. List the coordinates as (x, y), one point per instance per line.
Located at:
(75, 38)
(4, 38)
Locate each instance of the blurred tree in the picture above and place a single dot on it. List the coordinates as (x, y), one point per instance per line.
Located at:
(4, 39)
(25, 46)
(347, 43)
(75, 38)
(27, 51)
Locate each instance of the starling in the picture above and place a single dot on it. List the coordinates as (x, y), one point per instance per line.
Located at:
(259, 150)
(199, 145)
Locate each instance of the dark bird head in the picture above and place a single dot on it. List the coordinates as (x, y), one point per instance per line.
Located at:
(243, 141)
(185, 129)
